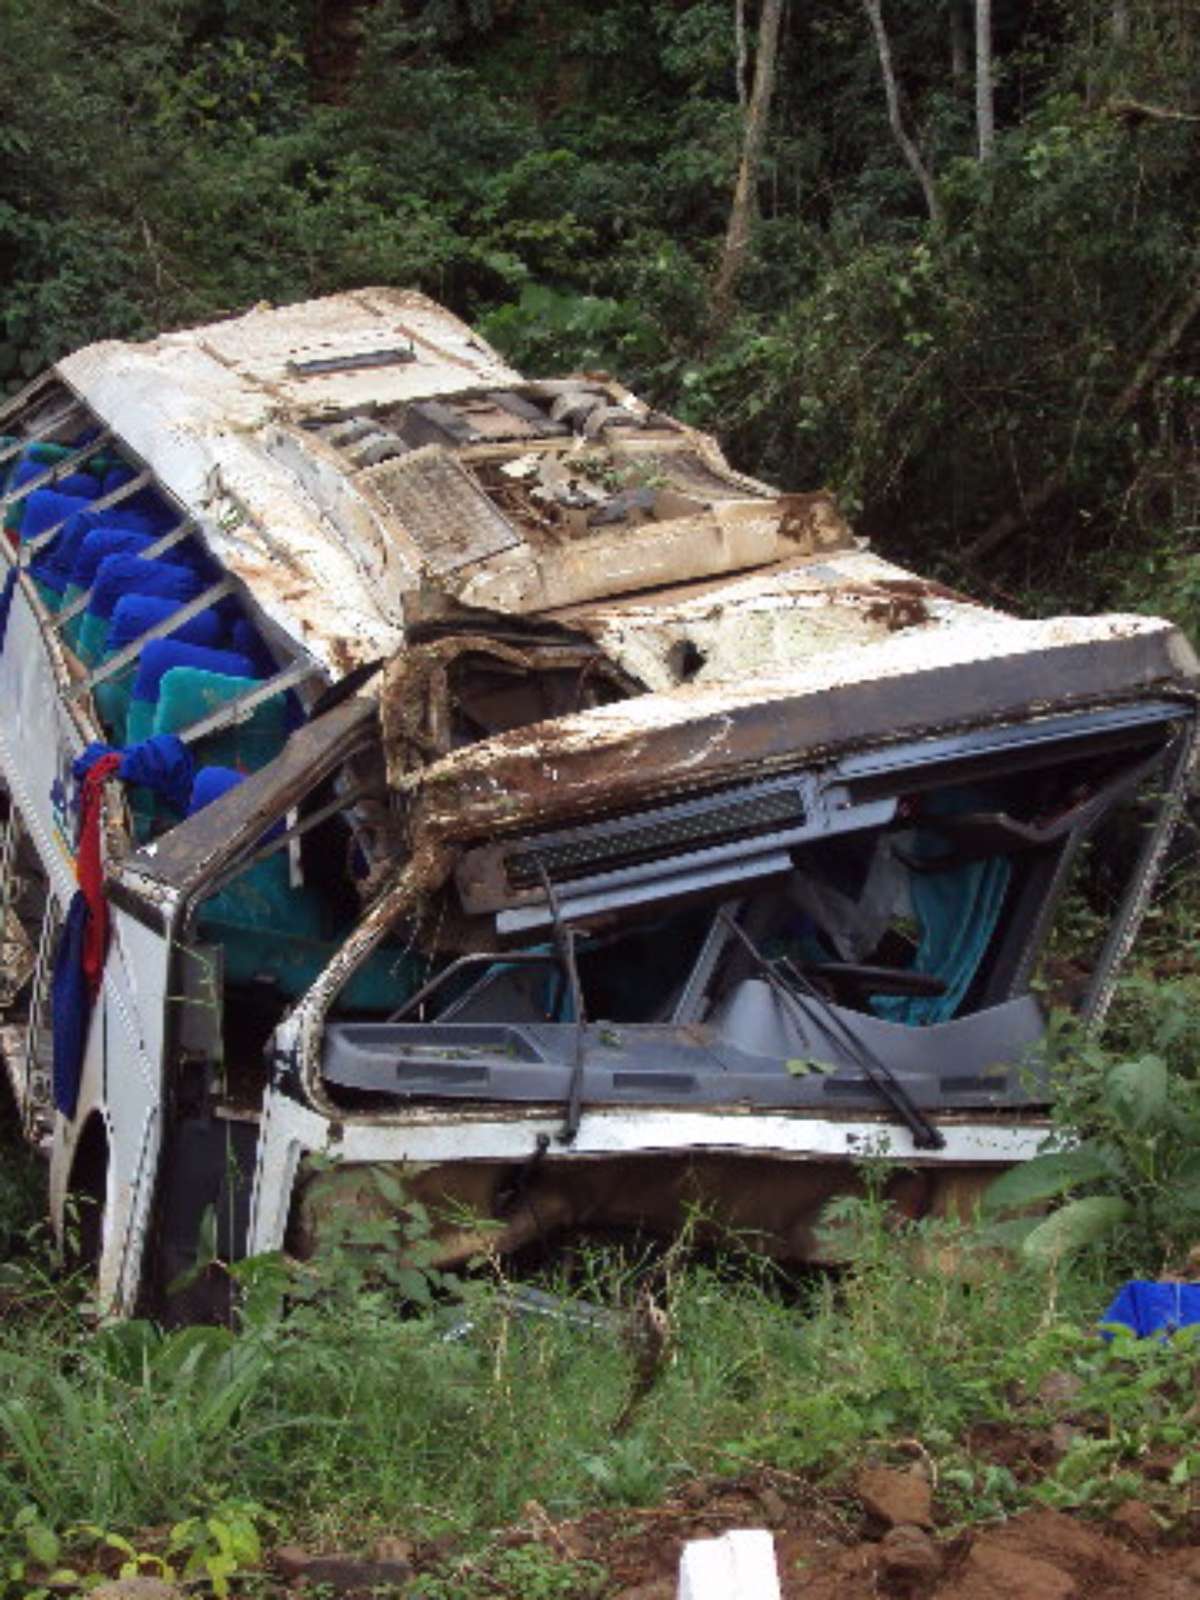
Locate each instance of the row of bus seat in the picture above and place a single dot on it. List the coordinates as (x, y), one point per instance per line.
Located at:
(207, 662)
(269, 928)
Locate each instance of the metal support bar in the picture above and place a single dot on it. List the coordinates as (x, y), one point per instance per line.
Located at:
(56, 469)
(238, 709)
(306, 824)
(160, 630)
(30, 547)
(8, 853)
(151, 553)
(484, 958)
(42, 435)
(690, 1005)
(38, 995)
(564, 943)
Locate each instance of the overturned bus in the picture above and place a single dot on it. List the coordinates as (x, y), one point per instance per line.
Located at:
(415, 768)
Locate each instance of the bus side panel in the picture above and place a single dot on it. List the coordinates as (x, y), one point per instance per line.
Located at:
(135, 994)
(38, 743)
(121, 1092)
(117, 1118)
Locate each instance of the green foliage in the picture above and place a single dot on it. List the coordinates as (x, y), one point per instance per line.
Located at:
(217, 1545)
(564, 175)
(528, 1570)
(1129, 1174)
(352, 1412)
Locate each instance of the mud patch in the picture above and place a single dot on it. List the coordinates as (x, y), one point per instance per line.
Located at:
(834, 1546)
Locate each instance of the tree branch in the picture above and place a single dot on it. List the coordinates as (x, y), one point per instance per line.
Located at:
(1144, 375)
(1135, 111)
(985, 115)
(908, 148)
(739, 45)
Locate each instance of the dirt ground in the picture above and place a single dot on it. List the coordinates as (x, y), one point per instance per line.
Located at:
(884, 1534)
(861, 1544)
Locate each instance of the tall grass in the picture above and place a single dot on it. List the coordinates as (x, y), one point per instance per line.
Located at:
(346, 1415)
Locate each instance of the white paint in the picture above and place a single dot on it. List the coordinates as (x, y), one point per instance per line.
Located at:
(740, 1565)
(291, 1131)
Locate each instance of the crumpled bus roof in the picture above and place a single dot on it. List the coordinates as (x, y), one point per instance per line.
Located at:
(364, 460)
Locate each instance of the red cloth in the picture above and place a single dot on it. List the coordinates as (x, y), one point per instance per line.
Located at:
(89, 869)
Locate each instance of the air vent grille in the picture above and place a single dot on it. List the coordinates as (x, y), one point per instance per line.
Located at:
(655, 835)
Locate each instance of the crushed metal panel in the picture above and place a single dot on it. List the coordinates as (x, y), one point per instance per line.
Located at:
(441, 509)
(730, 536)
(658, 744)
(284, 350)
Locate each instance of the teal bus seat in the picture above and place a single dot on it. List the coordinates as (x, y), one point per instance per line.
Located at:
(273, 932)
(186, 694)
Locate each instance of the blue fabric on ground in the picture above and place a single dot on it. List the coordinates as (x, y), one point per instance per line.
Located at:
(70, 1007)
(135, 614)
(1149, 1308)
(160, 655)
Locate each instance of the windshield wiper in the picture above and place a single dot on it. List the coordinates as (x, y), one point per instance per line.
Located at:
(790, 984)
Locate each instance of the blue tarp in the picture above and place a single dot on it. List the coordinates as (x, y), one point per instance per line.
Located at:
(1150, 1308)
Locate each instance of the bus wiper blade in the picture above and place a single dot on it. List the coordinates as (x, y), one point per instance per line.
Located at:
(791, 985)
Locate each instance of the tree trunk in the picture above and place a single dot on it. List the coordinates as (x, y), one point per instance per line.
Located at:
(958, 46)
(1120, 21)
(908, 148)
(334, 48)
(739, 43)
(985, 118)
(741, 212)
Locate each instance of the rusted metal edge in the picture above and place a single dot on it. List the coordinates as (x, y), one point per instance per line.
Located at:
(530, 777)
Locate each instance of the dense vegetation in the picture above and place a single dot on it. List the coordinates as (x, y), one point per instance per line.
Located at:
(990, 352)
(1005, 392)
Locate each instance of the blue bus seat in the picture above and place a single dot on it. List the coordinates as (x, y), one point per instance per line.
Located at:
(120, 575)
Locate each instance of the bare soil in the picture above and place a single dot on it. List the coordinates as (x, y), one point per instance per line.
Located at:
(830, 1546)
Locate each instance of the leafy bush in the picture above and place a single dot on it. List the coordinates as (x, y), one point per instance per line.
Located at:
(1125, 1169)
